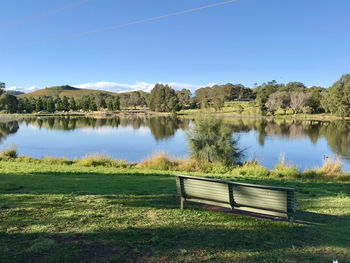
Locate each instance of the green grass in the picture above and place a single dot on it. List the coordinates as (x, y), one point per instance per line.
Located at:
(73, 213)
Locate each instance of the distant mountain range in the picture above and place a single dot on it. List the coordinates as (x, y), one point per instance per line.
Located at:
(68, 91)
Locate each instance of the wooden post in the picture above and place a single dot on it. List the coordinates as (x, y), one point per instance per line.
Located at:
(231, 197)
(182, 203)
(291, 221)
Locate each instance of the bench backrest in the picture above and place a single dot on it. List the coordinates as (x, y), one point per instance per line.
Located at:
(269, 200)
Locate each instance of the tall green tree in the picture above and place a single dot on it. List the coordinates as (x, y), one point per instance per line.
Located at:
(210, 140)
(116, 103)
(50, 105)
(72, 104)
(8, 103)
(39, 104)
(184, 97)
(337, 100)
(65, 104)
(163, 99)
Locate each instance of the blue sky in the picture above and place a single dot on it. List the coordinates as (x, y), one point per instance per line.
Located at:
(246, 41)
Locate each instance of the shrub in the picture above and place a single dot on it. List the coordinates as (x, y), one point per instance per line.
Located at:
(55, 160)
(188, 165)
(251, 168)
(27, 159)
(331, 166)
(158, 161)
(8, 154)
(282, 169)
(210, 140)
(97, 159)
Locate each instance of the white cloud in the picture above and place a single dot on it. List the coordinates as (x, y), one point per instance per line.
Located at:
(144, 86)
(25, 90)
(116, 87)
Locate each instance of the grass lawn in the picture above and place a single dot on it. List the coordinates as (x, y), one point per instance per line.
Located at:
(70, 213)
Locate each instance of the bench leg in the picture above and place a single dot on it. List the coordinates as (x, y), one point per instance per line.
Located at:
(182, 203)
(291, 221)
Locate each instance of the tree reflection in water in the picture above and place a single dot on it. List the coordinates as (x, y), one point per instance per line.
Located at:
(336, 133)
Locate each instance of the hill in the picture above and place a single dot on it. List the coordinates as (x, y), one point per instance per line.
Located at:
(68, 91)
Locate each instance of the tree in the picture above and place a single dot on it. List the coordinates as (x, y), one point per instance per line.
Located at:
(273, 103)
(135, 99)
(184, 97)
(100, 102)
(203, 94)
(39, 104)
(337, 100)
(92, 105)
(28, 106)
(65, 104)
(218, 104)
(50, 105)
(297, 101)
(110, 104)
(163, 99)
(72, 104)
(116, 103)
(210, 140)
(315, 98)
(263, 92)
(21, 106)
(8, 103)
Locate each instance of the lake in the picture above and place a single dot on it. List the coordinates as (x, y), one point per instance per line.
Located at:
(304, 143)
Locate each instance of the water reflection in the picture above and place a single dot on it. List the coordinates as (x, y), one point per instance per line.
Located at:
(8, 128)
(336, 134)
(161, 127)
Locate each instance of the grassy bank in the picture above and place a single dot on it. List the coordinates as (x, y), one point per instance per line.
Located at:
(64, 212)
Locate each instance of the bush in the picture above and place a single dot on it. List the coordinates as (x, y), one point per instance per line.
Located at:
(99, 160)
(158, 161)
(331, 166)
(27, 159)
(55, 160)
(9, 154)
(251, 168)
(282, 169)
(210, 140)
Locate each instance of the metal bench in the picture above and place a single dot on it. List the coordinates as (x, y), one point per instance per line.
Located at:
(261, 199)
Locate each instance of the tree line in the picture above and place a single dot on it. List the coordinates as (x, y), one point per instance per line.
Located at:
(268, 97)
(295, 96)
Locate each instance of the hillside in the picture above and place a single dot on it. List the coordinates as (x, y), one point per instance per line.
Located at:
(68, 91)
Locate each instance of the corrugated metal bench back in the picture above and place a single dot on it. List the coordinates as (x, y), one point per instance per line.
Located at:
(268, 200)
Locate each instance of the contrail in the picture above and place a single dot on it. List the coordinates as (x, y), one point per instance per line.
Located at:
(135, 22)
(43, 14)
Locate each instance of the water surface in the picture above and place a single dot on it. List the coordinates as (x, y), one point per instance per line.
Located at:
(305, 144)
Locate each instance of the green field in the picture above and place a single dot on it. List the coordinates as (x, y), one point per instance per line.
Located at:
(72, 213)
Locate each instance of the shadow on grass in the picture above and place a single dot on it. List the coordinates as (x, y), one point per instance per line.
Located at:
(137, 244)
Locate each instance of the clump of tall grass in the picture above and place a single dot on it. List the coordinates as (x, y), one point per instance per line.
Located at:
(188, 165)
(27, 159)
(100, 159)
(9, 154)
(251, 168)
(56, 160)
(330, 168)
(282, 169)
(158, 161)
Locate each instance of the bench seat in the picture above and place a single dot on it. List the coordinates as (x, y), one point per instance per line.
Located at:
(262, 199)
